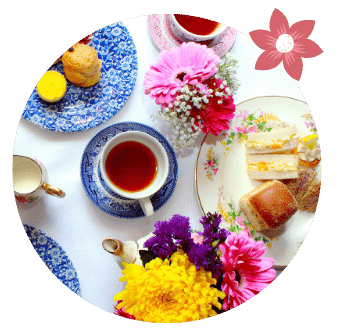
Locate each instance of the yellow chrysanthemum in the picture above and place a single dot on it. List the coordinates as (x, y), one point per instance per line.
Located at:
(168, 291)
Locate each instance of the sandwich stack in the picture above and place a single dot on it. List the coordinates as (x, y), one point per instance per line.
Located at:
(269, 154)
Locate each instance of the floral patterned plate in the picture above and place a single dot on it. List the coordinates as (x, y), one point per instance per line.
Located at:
(54, 257)
(103, 197)
(85, 108)
(159, 28)
(222, 179)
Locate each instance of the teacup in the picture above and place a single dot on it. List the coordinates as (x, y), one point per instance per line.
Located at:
(29, 180)
(210, 39)
(135, 165)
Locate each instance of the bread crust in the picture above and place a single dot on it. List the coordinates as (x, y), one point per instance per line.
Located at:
(269, 206)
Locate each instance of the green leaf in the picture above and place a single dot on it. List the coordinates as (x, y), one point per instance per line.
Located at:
(265, 240)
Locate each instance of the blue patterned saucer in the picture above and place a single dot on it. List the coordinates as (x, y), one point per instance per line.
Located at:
(54, 257)
(85, 108)
(97, 190)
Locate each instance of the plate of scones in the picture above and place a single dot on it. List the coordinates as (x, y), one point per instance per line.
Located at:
(88, 84)
(263, 175)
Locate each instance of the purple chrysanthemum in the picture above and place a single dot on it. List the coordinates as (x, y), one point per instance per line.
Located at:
(169, 236)
(176, 233)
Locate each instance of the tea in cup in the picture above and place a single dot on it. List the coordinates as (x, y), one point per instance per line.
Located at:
(197, 29)
(29, 180)
(135, 165)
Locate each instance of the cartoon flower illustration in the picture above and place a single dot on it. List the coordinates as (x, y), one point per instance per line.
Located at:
(285, 43)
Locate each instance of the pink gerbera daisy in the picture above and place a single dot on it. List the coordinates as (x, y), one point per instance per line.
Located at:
(245, 272)
(192, 63)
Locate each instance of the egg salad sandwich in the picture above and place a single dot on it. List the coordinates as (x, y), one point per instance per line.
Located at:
(280, 140)
(272, 166)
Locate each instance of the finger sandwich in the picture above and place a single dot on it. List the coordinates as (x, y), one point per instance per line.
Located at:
(272, 166)
(280, 140)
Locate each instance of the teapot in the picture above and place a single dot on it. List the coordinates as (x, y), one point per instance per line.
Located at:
(127, 250)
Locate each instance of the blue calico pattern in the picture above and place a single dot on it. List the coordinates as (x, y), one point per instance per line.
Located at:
(84, 108)
(54, 257)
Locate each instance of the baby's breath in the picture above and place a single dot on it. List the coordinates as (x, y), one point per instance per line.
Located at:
(227, 72)
(185, 112)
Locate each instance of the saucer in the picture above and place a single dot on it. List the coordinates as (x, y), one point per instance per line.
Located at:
(101, 195)
(159, 27)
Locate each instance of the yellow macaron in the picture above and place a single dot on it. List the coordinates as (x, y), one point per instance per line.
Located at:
(52, 86)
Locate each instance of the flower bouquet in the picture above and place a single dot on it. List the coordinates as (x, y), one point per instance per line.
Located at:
(190, 275)
(194, 90)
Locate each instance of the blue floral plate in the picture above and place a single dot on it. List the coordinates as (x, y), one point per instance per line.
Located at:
(54, 257)
(85, 108)
(97, 190)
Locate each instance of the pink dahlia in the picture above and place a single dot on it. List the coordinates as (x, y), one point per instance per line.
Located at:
(192, 63)
(245, 272)
(219, 110)
(285, 43)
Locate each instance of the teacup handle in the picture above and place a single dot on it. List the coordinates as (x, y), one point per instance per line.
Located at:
(51, 190)
(146, 205)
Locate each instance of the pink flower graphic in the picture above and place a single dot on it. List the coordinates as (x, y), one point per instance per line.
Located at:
(243, 115)
(285, 43)
(243, 129)
(210, 163)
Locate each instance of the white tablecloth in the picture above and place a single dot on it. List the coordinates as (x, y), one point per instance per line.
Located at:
(74, 221)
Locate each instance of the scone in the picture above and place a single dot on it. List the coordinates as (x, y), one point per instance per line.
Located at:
(81, 65)
(268, 206)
